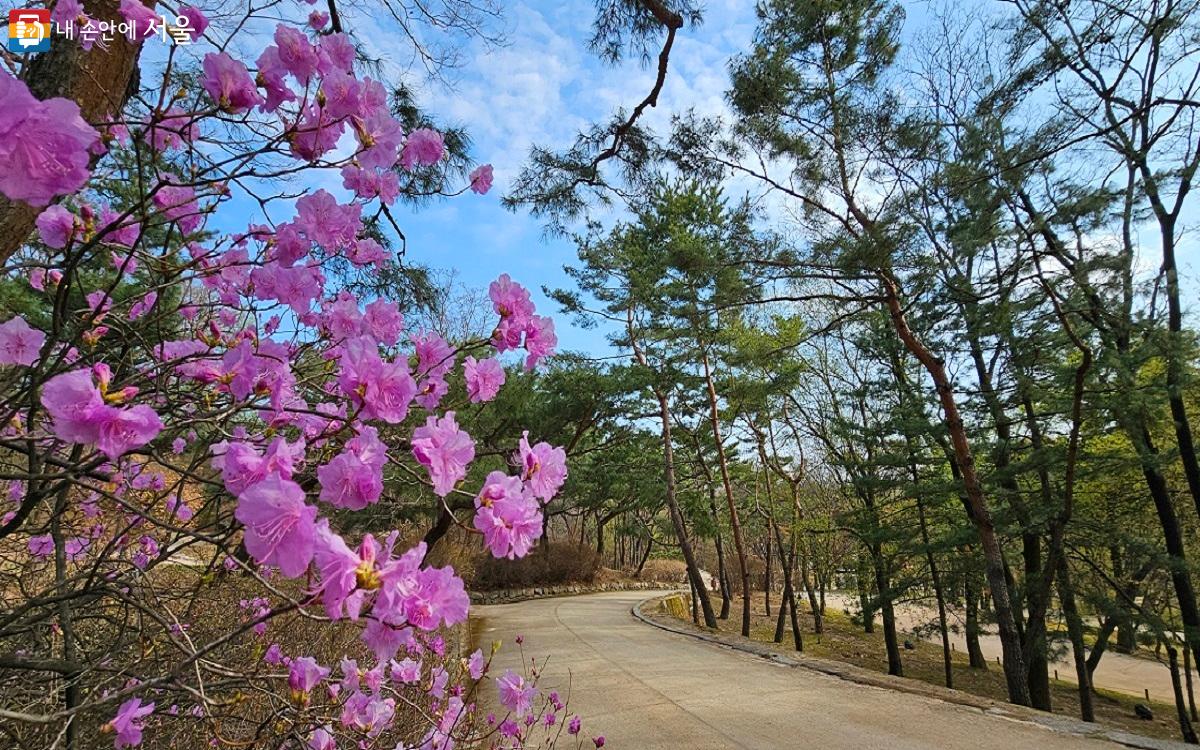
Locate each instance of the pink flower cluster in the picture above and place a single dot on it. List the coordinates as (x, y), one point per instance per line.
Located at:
(81, 414)
(44, 145)
(517, 322)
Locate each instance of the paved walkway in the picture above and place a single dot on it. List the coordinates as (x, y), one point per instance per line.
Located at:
(646, 689)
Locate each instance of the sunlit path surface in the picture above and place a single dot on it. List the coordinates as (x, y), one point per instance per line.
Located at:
(645, 688)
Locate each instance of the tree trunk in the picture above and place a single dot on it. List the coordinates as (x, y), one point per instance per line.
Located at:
(1185, 723)
(767, 577)
(974, 651)
(1083, 676)
(938, 593)
(865, 600)
(685, 544)
(734, 522)
(890, 639)
(1010, 641)
(1185, 595)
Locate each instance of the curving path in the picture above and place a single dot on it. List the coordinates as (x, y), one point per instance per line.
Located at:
(647, 689)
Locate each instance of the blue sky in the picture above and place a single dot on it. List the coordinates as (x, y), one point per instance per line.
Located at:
(542, 87)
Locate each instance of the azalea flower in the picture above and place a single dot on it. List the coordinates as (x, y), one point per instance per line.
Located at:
(20, 344)
(510, 519)
(444, 450)
(229, 83)
(481, 179)
(483, 379)
(543, 468)
(44, 145)
(128, 723)
(515, 695)
(280, 527)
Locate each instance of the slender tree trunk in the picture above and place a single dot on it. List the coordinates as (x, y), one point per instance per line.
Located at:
(1083, 676)
(767, 577)
(1187, 673)
(866, 601)
(816, 605)
(734, 522)
(1185, 723)
(645, 556)
(1014, 661)
(938, 593)
(974, 651)
(685, 544)
(890, 638)
(722, 565)
(1172, 535)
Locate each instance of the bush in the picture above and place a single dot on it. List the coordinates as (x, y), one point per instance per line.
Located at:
(668, 571)
(552, 564)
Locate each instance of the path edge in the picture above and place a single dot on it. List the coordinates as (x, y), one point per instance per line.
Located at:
(861, 676)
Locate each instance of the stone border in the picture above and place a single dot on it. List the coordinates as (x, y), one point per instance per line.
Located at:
(509, 596)
(863, 676)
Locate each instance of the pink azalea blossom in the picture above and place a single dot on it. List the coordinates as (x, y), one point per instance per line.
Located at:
(384, 321)
(280, 527)
(122, 430)
(142, 305)
(55, 226)
(128, 723)
(438, 599)
(349, 482)
(317, 20)
(341, 92)
(241, 465)
(483, 379)
(44, 145)
(540, 340)
(368, 714)
(141, 18)
(445, 450)
(41, 545)
(271, 76)
(338, 50)
(385, 640)
(296, 53)
(511, 301)
(407, 671)
(476, 665)
(321, 739)
(543, 467)
(305, 674)
(79, 415)
(435, 357)
(66, 10)
(229, 83)
(481, 179)
(424, 147)
(20, 344)
(510, 520)
(326, 222)
(197, 22)
(515, 694)
(178, 203)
